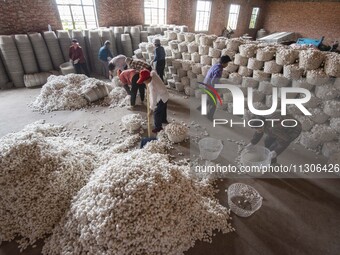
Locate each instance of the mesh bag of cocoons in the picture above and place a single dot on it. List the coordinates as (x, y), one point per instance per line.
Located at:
(289, 95)
(233, 44)
(215, 61)
(230, 53)
(176, 78)
(182, 73)
(244, 71)
(292, 72)
(254, 64)
(324, 133)
(240, 60)
(194, 83)
(258, 96)
(327, 92)
(332, 64)
(185, 81)
(317, 77)
(192, 47)
(330, 148)
(227, 97)
(200, 78)
(314, 101)
(272, 67)
(183, 47)
(310, 59)
(332, 108)
(186, 56)
(168, 51)
(203, 50)
(176, 132)
(189, 91)
(286, 56)
(171, 83)
(261, 76)
(196, 57)
(335, 124)
(132, 122)
(302, 83)
(150, 48)
(269, 103)
(179, 86)
(205, 70)
(214, 53)
(191, 75)
(219, 43)
(266, 87)
(231, 67)
(247, 50)
(172, 35)
(172, 70)
(189, 37)
(318, 116)
(151, 56)
(142, 46)
(206, 60)
(197, 68)
(207, 40)
(145, 55)
(138, 53)
(249, 82)
(181, 37)
(197, 37)
(308, 140)
(168, 61)
(306, 123)
(177, 63)
(176, 54)
(265, 54)
(225, 73)
(173, 45)
(278, 80)
(235, 78)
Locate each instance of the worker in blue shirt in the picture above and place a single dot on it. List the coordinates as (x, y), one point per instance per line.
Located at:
(159, 58)
(105, 56)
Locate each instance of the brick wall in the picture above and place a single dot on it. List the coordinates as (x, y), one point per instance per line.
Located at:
(22, 16)
(308, 19)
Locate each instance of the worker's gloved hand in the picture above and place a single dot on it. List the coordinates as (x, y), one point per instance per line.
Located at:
(76, 61)
(272, 154)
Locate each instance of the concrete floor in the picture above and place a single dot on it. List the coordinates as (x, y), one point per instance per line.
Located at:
(298, 216)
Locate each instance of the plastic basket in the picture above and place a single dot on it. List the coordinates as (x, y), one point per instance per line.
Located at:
(210, 148)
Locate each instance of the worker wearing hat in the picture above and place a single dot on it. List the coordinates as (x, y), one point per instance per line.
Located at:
(104, 57)
(77, 58)
(159, 58)
(115, 64)
(158, 95)
(130, 77)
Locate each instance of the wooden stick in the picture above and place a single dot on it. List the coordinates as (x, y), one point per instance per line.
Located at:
(148, 110)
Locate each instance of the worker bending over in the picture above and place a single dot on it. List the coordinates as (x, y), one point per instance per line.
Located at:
(105, 56)
(158, 95)
(115, 64)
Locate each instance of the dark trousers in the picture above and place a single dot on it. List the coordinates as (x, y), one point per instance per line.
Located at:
(160, 114)
(80, 66)
(160, 65)
(135, 88)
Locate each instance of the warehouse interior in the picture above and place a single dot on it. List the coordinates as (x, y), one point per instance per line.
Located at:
(84, 172)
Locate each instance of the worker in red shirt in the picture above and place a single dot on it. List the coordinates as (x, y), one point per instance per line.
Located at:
(77, 58)
(130, 77)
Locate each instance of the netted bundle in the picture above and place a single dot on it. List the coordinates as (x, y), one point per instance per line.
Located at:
(318, 116)
(132, 122)
(142, 46)
(233, 44)
(173, 45)
(278, 80)
(248, 50)
(335, 124)
(172, 35)
(272, 67)
(266, 87)
(302, 83)
(330, 148)
(194, 83)
(150, 48)
(332, 64)
(207, 40)
(310, 59)
(231, 67)
(172, 69)
(286, 56)
(240, 60)
(197, 68)
(214, 53)
(191, 75)
(200, 78)
(230, 53)
(181, 73)
(186, 56)
(205, 70)
(181, 37)
(176, 78)
(314, 101)
(292, 72)
(203, 50)
(193, 47)
(265, 54)
(183, 47)
(177, 63)
(257, 96)
(244, 71)
(261, 76)
(176, 54)
(249, 82)
(306, 122)
(185, 81)
(225, 73)
(206, 60)
(189, 37)
(219, 43)
(327, 92)
(179, 86)
(168, 51)
(317, 77)
(195, 57)
(255, 64)
(171, 83)
(189, 91)
(332, 108)
(215, 61)
(235, 78)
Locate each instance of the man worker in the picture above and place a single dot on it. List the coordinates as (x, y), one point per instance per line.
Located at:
(115, 64)
(77, 58)
(130, 77)
(278, 137)
(104, 56)
(159, 58)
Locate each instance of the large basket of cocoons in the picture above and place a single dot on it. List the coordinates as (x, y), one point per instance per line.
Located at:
(176, 132)
(67, 68)
(257, 157)
(132, 122)
(243, 200)
(210, 148)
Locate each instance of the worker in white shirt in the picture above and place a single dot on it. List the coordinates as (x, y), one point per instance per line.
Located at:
(158, 95)
(115, 64)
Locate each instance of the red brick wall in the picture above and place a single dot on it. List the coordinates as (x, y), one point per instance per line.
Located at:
(308, 19)
(21, 16)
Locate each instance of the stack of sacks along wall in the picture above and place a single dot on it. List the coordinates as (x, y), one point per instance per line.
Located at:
(267, 65)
